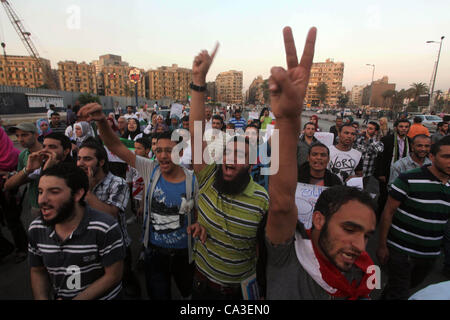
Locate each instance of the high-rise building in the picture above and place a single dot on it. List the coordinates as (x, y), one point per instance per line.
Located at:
(356, 95)
(332, 74)
(170, 82)
(229, 87)
(22, 71)
(78, 77)
(113, 77)
(211, 93)
(255, 93)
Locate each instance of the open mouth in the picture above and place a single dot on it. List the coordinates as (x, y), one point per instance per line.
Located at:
(229, 169)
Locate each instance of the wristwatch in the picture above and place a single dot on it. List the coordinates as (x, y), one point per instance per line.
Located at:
(25, 172)
(197, 88)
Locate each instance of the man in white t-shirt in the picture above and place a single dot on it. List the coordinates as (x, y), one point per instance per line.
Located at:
(345, 161)
(130, 113)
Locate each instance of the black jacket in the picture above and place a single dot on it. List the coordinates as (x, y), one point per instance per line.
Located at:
(384, 159)
(304, 175)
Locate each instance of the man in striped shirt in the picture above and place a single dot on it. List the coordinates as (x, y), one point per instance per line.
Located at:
(413, 222)
(230, 205)
(238, 121)
(76, 249)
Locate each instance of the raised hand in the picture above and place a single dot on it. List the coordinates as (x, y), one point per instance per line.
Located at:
(288, 88)
(201, 65)
(91, 111)
(50, 158)
(35, 161)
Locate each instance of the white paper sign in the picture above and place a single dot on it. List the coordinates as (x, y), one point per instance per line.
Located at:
(177, 109)
(355, 182)
(253, 116)
(306, 197)
(269, 130)
(326, 138)
(271, 115)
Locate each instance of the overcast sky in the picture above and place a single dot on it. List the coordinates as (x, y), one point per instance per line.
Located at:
(149, 33)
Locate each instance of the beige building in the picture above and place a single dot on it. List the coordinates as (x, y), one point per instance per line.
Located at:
(373, 94)
(116, 82)
(332, 74)
(255, 93)
(229, 87)
(112, 76)
(356, 95)
(172, 82)
(22, 71)
(77, 77)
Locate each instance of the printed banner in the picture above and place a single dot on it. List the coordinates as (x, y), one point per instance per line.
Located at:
(306, 197)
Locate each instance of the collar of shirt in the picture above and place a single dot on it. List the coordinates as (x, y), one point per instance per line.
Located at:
(105, 180)
(82, 226)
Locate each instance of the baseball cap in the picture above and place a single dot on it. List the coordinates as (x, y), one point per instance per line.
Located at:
(26, 126)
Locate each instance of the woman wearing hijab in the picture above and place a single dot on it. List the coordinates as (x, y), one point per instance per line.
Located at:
(82, 132)
(133, 131)
(174, 122)
(265, 118)
(43, 129)
(160, 128)
(148, 130)
(315, 119)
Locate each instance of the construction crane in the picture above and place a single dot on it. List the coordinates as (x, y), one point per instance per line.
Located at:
(25, 36)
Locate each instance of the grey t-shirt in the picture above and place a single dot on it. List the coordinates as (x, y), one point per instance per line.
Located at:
(288, 280)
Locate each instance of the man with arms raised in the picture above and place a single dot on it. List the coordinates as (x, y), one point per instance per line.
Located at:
(170, 192)
(74, 248)
(323, 263)
(230, 204)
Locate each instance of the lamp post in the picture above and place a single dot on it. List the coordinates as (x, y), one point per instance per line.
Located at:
(371, 84)
(431, 102)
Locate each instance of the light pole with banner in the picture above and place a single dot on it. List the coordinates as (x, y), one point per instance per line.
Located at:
(135, 76)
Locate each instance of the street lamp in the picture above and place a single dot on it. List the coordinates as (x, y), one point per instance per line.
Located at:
(435, 71)
(371, 84)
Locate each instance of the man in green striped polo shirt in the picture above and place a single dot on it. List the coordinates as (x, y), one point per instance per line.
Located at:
(413, 222)
(230, 205)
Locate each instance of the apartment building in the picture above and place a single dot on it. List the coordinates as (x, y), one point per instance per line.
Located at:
(22, 71)
(172, 82)
(229, 87)
(77, 77)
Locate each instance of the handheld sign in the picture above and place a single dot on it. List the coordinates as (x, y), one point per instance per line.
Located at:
(306, 197)
(326, 138)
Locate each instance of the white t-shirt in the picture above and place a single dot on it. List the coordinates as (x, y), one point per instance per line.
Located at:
(344, 163)
(128, 116)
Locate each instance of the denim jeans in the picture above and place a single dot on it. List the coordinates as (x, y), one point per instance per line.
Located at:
(160, 266)
(404, 272)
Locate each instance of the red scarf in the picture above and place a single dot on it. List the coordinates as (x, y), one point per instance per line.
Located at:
(334, 278)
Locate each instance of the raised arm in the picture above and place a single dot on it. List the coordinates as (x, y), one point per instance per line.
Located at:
(287, 91)
(93, 111)
(200, 68)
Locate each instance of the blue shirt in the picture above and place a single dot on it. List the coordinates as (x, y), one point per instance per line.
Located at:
(257, 175)
(168, 227)
(238, 124)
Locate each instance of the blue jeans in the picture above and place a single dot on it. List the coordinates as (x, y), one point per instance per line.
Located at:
(447, 246)
(160, 265)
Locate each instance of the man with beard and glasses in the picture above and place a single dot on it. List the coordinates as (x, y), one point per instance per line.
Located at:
(230, 204)
(328, 261)
(75, 252)
(418, 157)
(414, 223)
(169, 207)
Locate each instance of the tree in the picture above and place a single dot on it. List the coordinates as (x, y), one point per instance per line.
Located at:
(419, 89)
(86, 98)
(342, 101)
(322, 91)
(266, 92)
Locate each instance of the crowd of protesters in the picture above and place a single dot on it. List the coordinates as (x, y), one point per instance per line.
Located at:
(211, 216)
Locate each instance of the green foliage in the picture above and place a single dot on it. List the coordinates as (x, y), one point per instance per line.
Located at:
(322, 91)
(86, 98)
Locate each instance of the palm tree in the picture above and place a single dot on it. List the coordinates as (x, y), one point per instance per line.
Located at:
(322, 91)
(419, 89)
